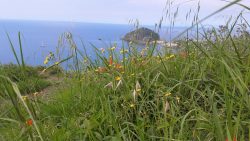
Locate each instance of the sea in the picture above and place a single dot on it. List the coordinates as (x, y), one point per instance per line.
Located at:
(39, 38)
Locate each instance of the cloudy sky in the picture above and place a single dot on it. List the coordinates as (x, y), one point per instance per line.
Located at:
(114, 11)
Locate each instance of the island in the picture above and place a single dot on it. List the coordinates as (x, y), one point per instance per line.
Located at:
(141, 35)
(144, 35)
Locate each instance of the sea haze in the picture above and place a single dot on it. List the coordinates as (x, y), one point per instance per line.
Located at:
(40, 37)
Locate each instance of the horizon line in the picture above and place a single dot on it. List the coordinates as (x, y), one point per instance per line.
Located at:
(83, 22)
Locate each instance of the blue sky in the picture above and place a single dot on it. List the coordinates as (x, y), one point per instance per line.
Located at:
(112, 11)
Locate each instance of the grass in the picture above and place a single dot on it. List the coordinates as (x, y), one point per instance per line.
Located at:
(28, 82)
(202, 93)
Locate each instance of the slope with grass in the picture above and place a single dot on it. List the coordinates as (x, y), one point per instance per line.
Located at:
(202, 93)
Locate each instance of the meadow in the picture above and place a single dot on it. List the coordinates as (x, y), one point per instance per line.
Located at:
(201, 93)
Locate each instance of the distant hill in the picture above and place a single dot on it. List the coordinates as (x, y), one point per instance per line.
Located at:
(141, 35)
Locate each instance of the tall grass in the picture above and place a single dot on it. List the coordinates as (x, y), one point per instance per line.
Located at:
(202, 93)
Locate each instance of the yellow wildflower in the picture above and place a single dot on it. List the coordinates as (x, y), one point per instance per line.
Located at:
(112, 48)
(48, 58)
(118, 78)
(170, 57)
(123, 51)
(46, 61)
(178, 99)
(167, 94)
(24, 98)
(56, 63)
(132, 105)
(138, 90)
(85, 59)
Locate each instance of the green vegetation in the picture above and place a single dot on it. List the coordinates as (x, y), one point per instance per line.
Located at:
(28, 81)
(201, 93)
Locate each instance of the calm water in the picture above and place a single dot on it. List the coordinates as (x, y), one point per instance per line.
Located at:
(39, 38)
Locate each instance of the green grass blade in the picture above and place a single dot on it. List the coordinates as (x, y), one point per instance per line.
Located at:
(21, 49)
(13, 49)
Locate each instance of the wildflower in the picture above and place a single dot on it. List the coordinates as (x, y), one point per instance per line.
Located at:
(56, 63)
(110, 61)
(118, 66)
(112, 48)
(118, 78)
(170, 57)
(178, 99)
(29, 122)
(85, 59)
(46, 61)
(122, 72)
(101, 70)
(51, 55)
(138, 90)
(123, 51)
(102, 50)
(132, 74)
(167, 94)
(132, 105)
(48, 58)
(24, 98)
(167, 106)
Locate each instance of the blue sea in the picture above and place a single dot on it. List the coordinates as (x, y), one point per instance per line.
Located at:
(41, 37)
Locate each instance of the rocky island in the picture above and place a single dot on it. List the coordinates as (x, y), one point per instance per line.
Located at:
(144, 35)
(141, 35)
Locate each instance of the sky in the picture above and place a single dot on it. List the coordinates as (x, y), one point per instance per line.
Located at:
(148, 12)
